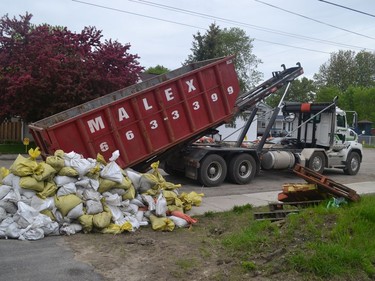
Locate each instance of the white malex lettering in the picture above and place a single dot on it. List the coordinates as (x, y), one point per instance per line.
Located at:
(122, 114)
(190, 85)
(146, 105)
(96, 124)
(168, 94)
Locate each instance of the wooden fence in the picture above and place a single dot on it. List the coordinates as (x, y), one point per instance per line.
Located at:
(10, 131)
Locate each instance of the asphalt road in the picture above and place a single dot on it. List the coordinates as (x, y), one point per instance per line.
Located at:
(51, 259)
(273, 180)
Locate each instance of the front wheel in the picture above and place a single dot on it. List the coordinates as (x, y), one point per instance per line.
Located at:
(317, 162)
(353, 164)
(212, 170)
(242, 168)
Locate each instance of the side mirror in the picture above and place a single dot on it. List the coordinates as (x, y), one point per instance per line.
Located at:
(289, 117)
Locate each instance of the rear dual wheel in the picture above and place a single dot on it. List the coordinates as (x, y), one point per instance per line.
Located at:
(213, 169)
(242, 168)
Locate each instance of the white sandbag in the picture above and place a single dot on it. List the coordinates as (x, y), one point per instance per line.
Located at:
(25, 215)
(51, 228)
(161, 206)
(112, 199)
(134, 222)
(69, 229)
(25, 200)
(76, 212)
(134, 177)
(179, 222)
(59, 217)
(4, 225)
(13, 231)
(117, 215)
(82, 165)
(61, 180)
(28, 193)
(93, 207)
(40, 204)
(12, 196)
(132, 209)
(88, 183)
(137, 202)
(3, 214)
(8, 180)
(91, 194)
(31, 234)
(139, 215)
(112, 172)
(149, 201)
(68, 157)
(66, 189)
(118, 191)
(8, 206)
(4, 190)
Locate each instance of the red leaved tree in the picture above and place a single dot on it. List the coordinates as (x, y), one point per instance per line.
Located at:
(46, 69)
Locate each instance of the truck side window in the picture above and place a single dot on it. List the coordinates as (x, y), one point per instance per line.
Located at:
(308, 116)
(341, 121)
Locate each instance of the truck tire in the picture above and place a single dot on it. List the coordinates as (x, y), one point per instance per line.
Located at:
(242, 168)
(212, 170)
(317, 162)
(353, 164)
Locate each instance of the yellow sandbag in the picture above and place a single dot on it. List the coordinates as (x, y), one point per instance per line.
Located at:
(44, 171)
(3, 173)
(68, 172)
(56, 162)
(102, 220)
(34, 153)
(49, 214)
(106, 185)
(59, 153)
(94, 172)
(100, 159)
(117, 229)
(160, 179)
(170, 196)
(192, 198)
(66, 202)
(49, 190)
(87, 222)
(162, 223)
(129, 194)
(23, 167)
(172, 208)
(126, 183)
(31, 183)
(155, 172)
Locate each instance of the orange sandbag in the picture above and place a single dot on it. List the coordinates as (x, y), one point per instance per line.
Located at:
(181, 215)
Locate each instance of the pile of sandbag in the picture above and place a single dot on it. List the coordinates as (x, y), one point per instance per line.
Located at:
(67, 193)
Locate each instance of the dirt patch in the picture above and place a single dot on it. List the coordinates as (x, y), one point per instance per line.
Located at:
(196, 253)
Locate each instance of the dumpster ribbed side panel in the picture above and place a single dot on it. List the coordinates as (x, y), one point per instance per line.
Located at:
(148, 122)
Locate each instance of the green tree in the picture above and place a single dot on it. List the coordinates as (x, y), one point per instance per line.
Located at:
(301, 90)
(345, 69)
(159, 69)
(218, 42)
(46, 69)
(327, 94)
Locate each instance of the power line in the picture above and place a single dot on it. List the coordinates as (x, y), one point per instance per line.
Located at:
(318, 21)
(238, 23)
(351, 9)
(188, 25)
(135, 14)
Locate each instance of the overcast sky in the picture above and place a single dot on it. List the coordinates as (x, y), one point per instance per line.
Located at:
(161, 31)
